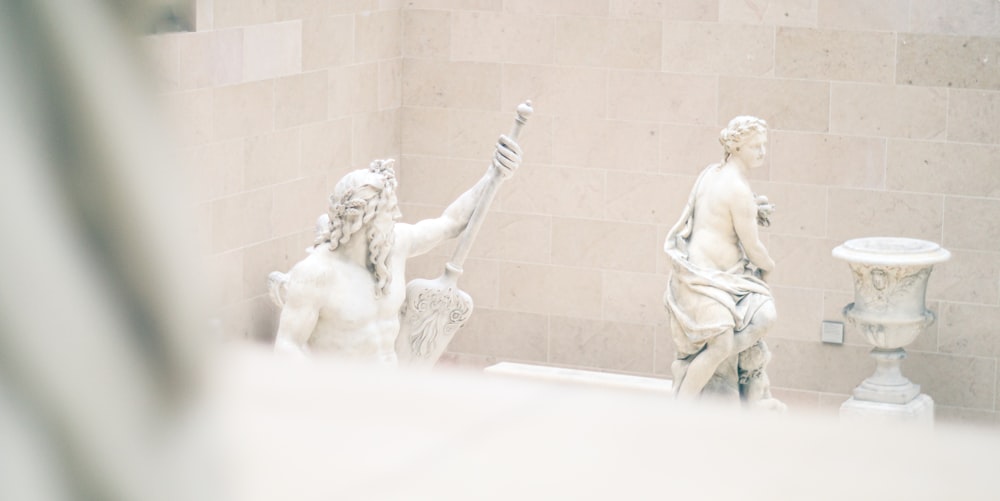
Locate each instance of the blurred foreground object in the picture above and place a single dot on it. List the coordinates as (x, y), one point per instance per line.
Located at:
(97, 352)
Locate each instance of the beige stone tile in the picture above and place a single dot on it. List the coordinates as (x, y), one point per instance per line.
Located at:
(973, 115)
(243, 110)
(218, 169)
(664, 352)
(886, 15)
(954, 380)
(327, 41)
(390, 84)
(451, 85)
(663, 264)
(865, 213)
(968, 277)
(785, 104)
(228, 13)
(799, 209)
(606, 245)
(507, 335)
(563, 91)
(296, 205)
(813, 54)
(422, 129)
(473, 134)
(351, 6)
(426, 34)
(972, 223)
(278, 254)
(606, 144)
(515, 237)
(807, 262)
(326, 148)
(635, 298)
(190, 116)
(352, 90)
(614, 346)
(834, 303)
(377, 35)
(211, 58)
(241, 220)
(662, 97)
(938, 167)
(955, 17)
(375, 135)
(778, 12)
(224, 278)
(948, 61)
(495, 5)
(552, 290)
(558, 7)
(272, 50)
(481, 280)
(646, 198)
(608, 42)
(969, 329)
(529, 39)
(272, 158)
(718, 49)
(476, 36)
(687, 149)
(556, 191)
(288, 10)
(502, 37)
(672, 10)
(435, 181)
(800, 313)
(300, 99)
(830, 368)
(886, 110)
(826, 159)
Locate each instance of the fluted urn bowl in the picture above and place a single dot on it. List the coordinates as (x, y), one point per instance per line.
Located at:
(890, 286)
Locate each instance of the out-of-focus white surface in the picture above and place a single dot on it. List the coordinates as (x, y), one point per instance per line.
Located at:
(317, 431)
(608, 380)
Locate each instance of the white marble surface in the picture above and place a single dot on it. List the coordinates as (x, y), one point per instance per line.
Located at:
(593, 379)
(317, 431)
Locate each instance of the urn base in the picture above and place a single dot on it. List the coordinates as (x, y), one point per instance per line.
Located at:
(918, 411)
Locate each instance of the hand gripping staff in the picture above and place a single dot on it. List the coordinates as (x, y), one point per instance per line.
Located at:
(435, 309)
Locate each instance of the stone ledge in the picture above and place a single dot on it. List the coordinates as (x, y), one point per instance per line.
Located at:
(583, 377)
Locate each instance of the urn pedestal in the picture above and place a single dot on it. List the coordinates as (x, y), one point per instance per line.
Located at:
(890, 287)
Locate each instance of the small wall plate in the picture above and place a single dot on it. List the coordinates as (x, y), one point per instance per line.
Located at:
(833, 332)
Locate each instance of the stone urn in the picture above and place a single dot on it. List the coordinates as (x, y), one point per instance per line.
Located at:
(890, 286)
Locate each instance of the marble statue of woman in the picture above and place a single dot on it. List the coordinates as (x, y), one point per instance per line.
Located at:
(717, 298)
(344, 298)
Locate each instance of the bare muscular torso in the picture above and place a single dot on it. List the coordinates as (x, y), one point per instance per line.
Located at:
(350, 322)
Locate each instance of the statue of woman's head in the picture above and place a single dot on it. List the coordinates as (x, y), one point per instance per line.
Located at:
(739, 130)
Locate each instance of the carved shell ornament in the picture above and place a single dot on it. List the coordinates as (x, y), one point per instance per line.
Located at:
(428, 329)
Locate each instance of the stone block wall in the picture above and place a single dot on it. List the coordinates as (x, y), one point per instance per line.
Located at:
(883, 118)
